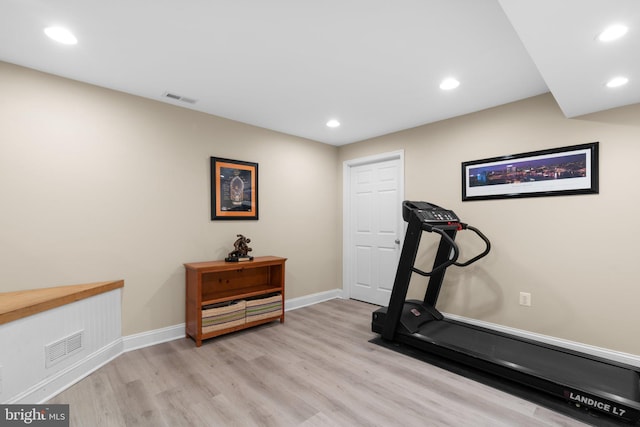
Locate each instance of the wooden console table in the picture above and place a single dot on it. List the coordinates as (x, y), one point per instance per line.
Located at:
(223, 297)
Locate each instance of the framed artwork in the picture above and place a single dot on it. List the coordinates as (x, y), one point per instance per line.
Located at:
(553, 172)
(234, 189)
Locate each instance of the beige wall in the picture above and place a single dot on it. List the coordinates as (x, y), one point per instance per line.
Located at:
(576, 255)
(98, 185)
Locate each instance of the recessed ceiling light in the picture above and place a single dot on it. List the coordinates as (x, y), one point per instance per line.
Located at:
(613, 32)
(333, 123)
(450, 83)
(61, 35)
(617, 81)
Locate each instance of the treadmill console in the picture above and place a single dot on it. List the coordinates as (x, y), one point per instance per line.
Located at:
(428, 213)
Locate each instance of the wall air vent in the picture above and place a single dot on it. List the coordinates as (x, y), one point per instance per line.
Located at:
(63, 348)
(179, 98)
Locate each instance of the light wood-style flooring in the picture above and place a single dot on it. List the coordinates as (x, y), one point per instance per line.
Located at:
(316, 369)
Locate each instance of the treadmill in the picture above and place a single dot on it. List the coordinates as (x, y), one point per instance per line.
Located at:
(584, 380)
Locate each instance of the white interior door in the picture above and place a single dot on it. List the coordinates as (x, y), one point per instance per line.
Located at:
(374, 228)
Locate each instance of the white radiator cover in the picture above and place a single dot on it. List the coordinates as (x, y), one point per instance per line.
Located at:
(27, 377)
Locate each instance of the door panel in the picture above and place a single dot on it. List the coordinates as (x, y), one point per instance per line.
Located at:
(375, 227)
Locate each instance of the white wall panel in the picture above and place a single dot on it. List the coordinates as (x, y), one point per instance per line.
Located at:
(23, 341)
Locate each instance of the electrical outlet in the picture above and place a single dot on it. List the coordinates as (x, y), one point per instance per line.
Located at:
(525, 299)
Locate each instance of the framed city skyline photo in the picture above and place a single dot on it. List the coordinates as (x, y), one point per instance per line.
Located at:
(554, 172)
(234, 189)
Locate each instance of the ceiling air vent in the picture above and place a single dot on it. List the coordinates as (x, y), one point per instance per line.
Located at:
(179, 98)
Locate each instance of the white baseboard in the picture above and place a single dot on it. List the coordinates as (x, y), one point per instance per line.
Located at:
(295, 303)
(617, 356)
(61, 380)
(149, 338)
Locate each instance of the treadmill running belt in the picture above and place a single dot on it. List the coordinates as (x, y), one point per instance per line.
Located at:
(546, 362)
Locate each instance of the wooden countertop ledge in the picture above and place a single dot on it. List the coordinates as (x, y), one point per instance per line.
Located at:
(19, 304)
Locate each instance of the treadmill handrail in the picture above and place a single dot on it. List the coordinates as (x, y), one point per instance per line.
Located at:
(450, 261)
(481, 255)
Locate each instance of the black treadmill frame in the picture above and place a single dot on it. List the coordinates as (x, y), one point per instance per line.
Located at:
(387, 322)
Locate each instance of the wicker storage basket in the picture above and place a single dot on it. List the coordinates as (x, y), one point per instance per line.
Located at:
(264, 308)
(224, 315)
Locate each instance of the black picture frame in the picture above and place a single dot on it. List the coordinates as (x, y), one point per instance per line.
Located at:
(560, 171)
(234, 189)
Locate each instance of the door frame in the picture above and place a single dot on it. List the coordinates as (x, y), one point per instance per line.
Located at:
(347, 165)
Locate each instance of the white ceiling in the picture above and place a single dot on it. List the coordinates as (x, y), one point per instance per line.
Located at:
(375, 65)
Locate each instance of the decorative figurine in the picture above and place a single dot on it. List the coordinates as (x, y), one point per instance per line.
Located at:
(241, 250)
